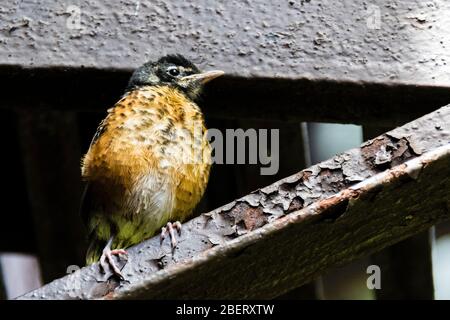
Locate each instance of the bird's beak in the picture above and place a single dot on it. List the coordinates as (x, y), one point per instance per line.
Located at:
(203, 77)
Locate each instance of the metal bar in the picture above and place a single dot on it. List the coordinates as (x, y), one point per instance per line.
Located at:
(288, 100)
(2, 283)
(50, 148)
(291, 159)
(406, 266)
(349, 281)
(313, 39)
(348, 61)
(284, 235)
(406, 269)
(19, 234)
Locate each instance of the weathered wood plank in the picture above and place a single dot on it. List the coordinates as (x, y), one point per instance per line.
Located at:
(286, 234)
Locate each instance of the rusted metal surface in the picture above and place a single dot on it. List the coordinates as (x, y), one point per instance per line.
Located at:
(346, 61)
(292, 158)
(406, 42)
(407, 268)
(281, 236)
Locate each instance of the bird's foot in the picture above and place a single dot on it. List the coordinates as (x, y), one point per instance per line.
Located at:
(169, 229)
(107, 260)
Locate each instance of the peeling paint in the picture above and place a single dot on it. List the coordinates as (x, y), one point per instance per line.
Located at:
(324, 193)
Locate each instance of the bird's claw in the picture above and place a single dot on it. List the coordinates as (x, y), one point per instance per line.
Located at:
(107, 260)
(169, 229)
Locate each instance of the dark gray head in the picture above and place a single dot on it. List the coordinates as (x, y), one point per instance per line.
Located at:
(172, 70)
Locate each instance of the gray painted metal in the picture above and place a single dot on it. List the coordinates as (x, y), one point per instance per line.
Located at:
(284, 235)
(379, 41)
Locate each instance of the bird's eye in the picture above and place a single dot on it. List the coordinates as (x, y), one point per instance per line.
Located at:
(173, 71)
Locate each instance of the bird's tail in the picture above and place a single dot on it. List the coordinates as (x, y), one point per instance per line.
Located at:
(94, 251)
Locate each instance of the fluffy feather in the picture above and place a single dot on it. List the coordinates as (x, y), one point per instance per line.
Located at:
(142, 168)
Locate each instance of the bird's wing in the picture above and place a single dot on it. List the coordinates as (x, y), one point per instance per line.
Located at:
(100, 130)
(104, 123)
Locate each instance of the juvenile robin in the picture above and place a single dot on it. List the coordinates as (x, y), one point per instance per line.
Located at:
(148, 164)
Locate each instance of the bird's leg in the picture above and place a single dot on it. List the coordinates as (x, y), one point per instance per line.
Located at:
(169, 228)
(107, 258)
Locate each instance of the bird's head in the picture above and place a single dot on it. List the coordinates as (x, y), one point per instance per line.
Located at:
(172, 70)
